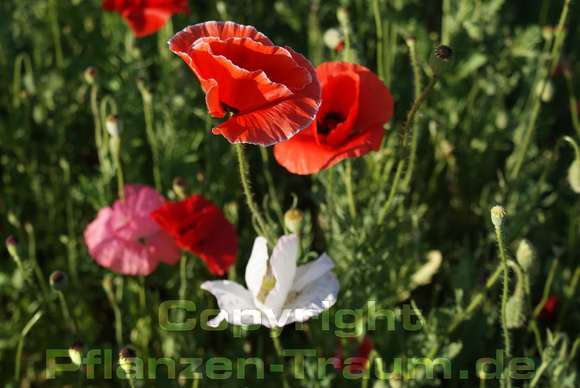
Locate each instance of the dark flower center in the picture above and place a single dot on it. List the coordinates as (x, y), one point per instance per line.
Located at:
(229, 109)
(328, 123)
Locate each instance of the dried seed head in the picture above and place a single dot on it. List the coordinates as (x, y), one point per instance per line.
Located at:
(442, 60)
(497, 215)
(58, 280)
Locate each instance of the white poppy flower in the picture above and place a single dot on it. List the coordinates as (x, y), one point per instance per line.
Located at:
(278, 292)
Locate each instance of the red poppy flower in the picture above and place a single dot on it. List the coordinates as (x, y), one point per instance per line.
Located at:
(355, 106)
(146, 17)
(550, 310)
(198, 226)
(358, 363)
(271, 92)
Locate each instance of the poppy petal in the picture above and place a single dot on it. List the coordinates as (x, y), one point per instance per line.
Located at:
(313, 299)
(146, 21)
(235, 302)
(283, 266)
(306, 274)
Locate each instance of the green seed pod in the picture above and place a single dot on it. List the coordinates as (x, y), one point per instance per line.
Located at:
(442, 60)
(574, 175)
(58, 280)
(497, 215)
(515, 311)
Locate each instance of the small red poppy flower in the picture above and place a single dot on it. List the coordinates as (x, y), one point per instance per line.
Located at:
(271, 92)
(198, 226)
(146, 17)
(358, 363)
(550, 310)
(356, 104)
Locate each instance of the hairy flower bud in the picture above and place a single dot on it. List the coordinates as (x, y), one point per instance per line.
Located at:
(114, 125)
(91, 74)
(574, 175)
(526, 256)
(442, 60)
(515, 311)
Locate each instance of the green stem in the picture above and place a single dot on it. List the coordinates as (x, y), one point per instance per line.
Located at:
(107, 286)
(380, 44)
(349, 191)
(244, 175)
(151, 136)
(56, 34)
(401, 164)
(66, 314)
(116, 148)
(142, 293)
(574, 145)
(573, 101)
(528, 130)
(271, 188)
(415, 137)
(504, 299)
(275, 335)
(547, 287)
(476, 301)
(23, 334)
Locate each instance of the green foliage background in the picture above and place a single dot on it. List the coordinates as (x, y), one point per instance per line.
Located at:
(472, 153)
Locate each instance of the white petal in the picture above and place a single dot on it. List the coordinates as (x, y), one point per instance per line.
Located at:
(257, 265)
(235, 302)
(309, 272)
(316, 297)
(283, 264)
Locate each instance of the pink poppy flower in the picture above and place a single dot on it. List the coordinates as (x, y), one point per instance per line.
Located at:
(125, 239)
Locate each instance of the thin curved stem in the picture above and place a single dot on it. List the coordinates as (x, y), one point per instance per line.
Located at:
(263, 229)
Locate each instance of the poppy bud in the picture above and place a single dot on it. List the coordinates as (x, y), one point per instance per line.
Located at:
(574, 175)
(497, 215)
(91, 74)
(294, 220)
(126, 358)
(11, 243)
(334, 39)
(114, 125)
(526, 256)
(58, 280)
(545, 92)
(442, 60)
(75, 352)
(515, 311)
(12, 219)
(548, 33)
(180, 187)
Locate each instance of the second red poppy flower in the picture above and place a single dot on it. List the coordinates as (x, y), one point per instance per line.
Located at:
(356, 104)
(198, 226)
